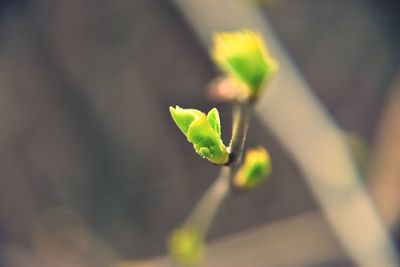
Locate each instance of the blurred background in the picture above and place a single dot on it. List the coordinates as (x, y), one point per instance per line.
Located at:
(93, 171)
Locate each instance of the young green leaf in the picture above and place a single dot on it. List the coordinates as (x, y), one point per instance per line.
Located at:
(243, 56)
(207, 142)
(184, 117)
(213, 119)
(204, 132)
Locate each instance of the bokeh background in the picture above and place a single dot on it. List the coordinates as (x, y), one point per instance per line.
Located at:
(92, 169)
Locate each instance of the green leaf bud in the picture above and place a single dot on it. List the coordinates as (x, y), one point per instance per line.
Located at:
(186, 246)
(255, 169)
(243, 56)
(204, 132)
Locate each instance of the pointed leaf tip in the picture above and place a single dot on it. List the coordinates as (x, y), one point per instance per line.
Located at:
(213, 119)
(184, 117)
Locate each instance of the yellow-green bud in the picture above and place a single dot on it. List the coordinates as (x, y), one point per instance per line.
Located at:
(186, 246)
(243, 56)
(255, 169)
(203, 131)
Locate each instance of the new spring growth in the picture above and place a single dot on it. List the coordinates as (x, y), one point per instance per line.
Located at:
(203, 131)
(186, 246)
(255, 169)
(243, 57)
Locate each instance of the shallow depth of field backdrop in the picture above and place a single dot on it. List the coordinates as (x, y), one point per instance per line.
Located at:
(92, 168)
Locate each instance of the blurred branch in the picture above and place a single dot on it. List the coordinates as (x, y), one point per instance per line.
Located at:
(385, 177)
(205, 211)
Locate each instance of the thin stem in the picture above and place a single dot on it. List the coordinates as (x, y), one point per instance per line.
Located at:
(242, 113)
(204, 212)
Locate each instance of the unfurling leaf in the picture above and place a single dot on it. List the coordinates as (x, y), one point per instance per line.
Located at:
(243, 56)
(203, 131)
